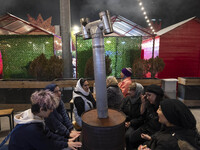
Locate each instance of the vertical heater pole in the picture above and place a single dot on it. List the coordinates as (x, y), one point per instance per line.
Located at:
(99, 71)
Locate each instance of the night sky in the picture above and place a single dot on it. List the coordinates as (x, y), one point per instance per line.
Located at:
(169, 11)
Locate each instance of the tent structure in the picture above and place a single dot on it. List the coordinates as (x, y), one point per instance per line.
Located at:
(10, 24)
(125, 27)
(178, 45)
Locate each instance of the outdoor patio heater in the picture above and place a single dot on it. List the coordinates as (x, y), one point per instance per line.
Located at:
(102, 128)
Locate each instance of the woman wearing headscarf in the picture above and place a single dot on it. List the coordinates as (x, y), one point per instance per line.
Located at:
(83, 100)
(131, 104)
(58, 121)
(148, 120)
(178, 131)
(114, 94)
(126, 80)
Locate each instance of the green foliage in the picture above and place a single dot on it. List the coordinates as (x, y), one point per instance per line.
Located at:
(19, 50)
(46, 69)
(141, 67)
(121, 50)
(89, 68)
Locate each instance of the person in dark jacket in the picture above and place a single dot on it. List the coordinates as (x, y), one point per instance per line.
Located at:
(148, 120)
(131, 104)
(83, 100)
(179, 128)
(59, 121)
(114, 94)
(31, 132)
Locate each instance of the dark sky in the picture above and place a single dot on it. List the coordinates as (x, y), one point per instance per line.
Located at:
(170, 11)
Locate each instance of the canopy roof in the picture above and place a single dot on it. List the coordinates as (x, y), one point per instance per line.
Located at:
(167, 29)
(10, 24)
(125, 27)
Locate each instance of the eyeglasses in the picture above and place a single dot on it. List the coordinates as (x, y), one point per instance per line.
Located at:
(57, 91)
(148, 94)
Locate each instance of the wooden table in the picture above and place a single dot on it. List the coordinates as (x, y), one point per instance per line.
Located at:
(9, 114)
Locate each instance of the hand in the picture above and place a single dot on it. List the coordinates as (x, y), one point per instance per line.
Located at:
(143, 98)
(127, 124)
(143, 147)
(145, 136)
(74, 133)
(74, 145)
(73, 139)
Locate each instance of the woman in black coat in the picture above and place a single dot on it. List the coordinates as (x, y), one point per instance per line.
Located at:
(147, 122)
(131, 104)
(58, 121)
(179, 128)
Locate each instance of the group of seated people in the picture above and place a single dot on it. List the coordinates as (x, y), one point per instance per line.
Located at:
(152, 122)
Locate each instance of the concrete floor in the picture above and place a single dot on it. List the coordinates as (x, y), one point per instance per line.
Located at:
(5, 127)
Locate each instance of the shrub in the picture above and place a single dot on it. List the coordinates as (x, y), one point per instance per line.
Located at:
(155, 66)
(141, 67)
(89, 68)
(46, 69)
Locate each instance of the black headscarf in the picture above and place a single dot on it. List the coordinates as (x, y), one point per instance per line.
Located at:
(178, 113)
(155, 89)
(159, 94)
(51, 87)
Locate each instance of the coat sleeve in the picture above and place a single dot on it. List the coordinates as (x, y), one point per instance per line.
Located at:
(55, 125)
(80, 105)
(66, 119)
(43, 139)
(110, 95)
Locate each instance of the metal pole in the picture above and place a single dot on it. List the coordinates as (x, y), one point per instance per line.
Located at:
(65, 25)
(99, 71)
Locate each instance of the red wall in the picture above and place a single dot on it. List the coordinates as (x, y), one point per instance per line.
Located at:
(180, 50)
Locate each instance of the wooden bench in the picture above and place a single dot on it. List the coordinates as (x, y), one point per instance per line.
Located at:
(9, 114)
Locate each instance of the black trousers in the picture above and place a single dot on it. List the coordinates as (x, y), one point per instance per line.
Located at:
(133, 138)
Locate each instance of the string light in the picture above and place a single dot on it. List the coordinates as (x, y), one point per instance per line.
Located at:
(145, 16)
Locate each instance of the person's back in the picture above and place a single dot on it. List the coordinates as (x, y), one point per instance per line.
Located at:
(31, 132)
(114, 94)
(30, 137)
